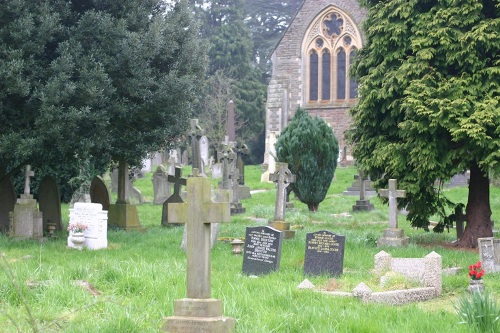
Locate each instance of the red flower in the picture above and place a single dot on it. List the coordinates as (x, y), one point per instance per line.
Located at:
(475, 271)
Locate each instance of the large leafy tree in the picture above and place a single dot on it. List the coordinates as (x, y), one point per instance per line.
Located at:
(429, 106)
(98, 80)
(310, 148)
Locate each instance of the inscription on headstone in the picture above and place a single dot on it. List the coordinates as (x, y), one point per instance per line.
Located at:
(324, 253)
(96, 219)
(262, 250)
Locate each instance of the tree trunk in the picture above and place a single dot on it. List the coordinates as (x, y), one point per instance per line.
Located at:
(478, 211)
(313, 207)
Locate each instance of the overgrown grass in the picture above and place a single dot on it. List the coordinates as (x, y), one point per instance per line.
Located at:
(133, 283)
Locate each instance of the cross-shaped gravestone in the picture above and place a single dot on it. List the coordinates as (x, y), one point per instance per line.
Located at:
(235, 176)
(227, 159)
(362, 204)
(178, 181)
(393, 193)
(27, 176)
(241, 149)
(282, 178)
(196, 134)
(198, 213)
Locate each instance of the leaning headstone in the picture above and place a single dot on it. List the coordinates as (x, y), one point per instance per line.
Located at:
(282, 178)
(7, 202)
(324, 253)
(178, 181)
(393, 236)
(49, 202)
(198, 312)
(363, 204)
(26, 220)
(489, 254)
(99, 193)
(262, 250)
(96, 220)
(161, 186)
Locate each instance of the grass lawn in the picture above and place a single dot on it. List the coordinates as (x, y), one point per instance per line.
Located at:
(131, 286)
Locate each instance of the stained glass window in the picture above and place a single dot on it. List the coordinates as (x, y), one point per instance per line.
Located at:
(341, 74)
(313, 76)
(326, 68)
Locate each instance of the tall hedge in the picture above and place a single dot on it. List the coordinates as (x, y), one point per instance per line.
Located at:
(310, 148)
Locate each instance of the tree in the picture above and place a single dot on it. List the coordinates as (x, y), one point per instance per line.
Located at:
(103, 80)
(429, 105)
(309, 147)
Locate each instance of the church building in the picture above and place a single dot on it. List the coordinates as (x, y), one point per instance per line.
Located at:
(311, 69)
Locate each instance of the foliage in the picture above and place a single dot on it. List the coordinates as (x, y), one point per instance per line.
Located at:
(429, 103)
(96, 80)
(309, 147)
(480, 312)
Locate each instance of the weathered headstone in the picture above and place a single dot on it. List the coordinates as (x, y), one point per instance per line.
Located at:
(99, 193)
(271, 164)
(227, 159)
(459, 221)
(282, 178)
(122, 214)
(324, 253)
(489, 254)
(204, 146)
(178, 181)
(196, 134)
(161, 186)
(49, 202)
(393, 236)
(96, 219)
(198, 312)
(241, 150)
(7, 202)
(236, 206)
(26, 220)
(363, 204)
(262, 250)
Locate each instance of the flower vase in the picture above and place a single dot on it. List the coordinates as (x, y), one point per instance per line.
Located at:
(78, 239)
(475, 286)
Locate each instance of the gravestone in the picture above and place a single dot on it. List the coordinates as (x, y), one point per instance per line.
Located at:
(262, 250)
(7, 202)
(489, 254)
(271, 167)
(123, 214)
(178, 181)
(161, 186)
(216, 170)
(96, 219)
(99, 193)
(204, 145)
(231, 122)
(227, 159)
(363, 204)
(282, 178)
(324, 253)
(355, 187)
(184, 157)
(393, 236)
(26, 221)
(459, 221)
(198, 312)
(241, 150)
(196, 134)
(236, 206)
(49, 202)
(113, 175)
(461, 179)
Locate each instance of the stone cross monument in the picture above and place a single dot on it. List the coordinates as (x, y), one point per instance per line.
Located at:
(227, 160)
(393, 236)
(198, 312)
(178, 181)
(241, 149)
(196, 134)
(362, 204)
(282, 178)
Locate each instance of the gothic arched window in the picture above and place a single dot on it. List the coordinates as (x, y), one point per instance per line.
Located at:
(331, 47)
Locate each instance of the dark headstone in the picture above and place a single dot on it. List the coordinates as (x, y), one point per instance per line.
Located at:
(178, 181)
(49, 202)
(99, 193)
(7, 202)
(324, 253)
(262, 250)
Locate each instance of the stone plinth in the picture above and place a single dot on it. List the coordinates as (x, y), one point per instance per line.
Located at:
(363, 206)
(244, 192)
(124, 216)
(26, 219)
(284, 227)
(198, 315)
(393, 237)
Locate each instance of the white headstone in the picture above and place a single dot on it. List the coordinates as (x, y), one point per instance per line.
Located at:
(204, 145)
(96, 219)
